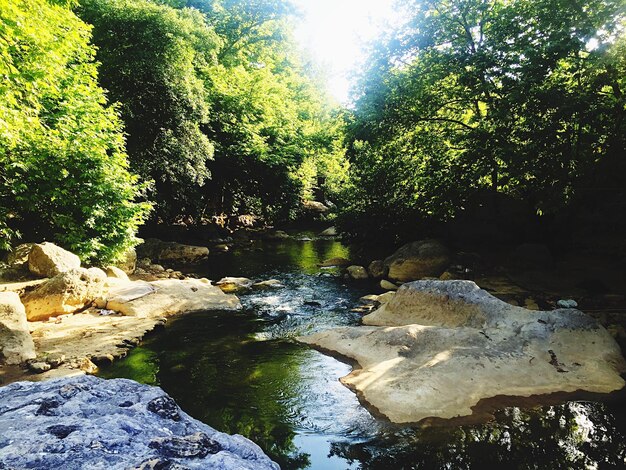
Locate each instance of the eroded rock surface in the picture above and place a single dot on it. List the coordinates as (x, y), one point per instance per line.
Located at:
(438, 347)
(66, 292)
(417, 260)
(16, 344)
(47, 260)
(87, 422)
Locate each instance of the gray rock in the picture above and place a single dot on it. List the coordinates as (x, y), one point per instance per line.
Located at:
(88, 422)
(416, 260)
(234, 284)
(47, 260)
(329, 232)
(16, 344)
(268, 284)
(569, 303)
(39, 367)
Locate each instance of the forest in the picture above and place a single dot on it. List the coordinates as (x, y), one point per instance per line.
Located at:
(118, 112)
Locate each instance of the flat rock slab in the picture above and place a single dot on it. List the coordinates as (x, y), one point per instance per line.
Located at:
(169, 297)
(439, 347)
(87, 422)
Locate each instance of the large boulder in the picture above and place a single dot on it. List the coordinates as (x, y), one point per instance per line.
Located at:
(67, 292)
(88, 422)
(424, 258)
(16, 344)
(171, 252)
(47, 260)
(432, 336)
(167, 297)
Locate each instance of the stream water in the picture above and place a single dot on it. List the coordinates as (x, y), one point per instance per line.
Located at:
(243, 373)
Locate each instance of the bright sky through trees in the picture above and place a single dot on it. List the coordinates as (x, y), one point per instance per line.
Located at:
(335, 32)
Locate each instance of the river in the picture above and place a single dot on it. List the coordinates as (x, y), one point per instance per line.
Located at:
(244, 373)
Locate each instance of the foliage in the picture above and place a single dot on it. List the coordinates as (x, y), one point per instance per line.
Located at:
(153, 60)
(219, 107)
(63, 169)
(523, 98)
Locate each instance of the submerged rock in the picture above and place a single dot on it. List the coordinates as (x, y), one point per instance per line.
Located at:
(171, 252)
(16, 344)
(87, 422)
(268, 284)
(416, 260)
(335, 262)
(436, 348)
(48, 260)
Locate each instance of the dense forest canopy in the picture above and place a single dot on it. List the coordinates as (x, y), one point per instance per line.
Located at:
(521, 98)
(113, 112)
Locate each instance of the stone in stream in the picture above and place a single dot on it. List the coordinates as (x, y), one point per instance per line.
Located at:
(436, 348)
(417, 260)
(377, 269)
(88, 422)
(358, 273)
(234, 284)
(387, 285)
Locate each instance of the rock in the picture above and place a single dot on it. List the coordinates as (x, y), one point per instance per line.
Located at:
(88, 422)
(67, 292)
(234, 284)
(18, 257)
(329, 232)
(47, 260)
(315, 207)
(16, 344)
(569, 303)
(531, 256)
(385, 284)
(368, 299)
(171, 252)
(116, 273)
(377, 269)
(128, 261)
(434, 335)
(335, 262)
(39, 367)
(268, 284)
(447, 276)
(417, 260)
(55, 359)
(386, 297)
(358, 273)
(168, 297)
(156, 268)
(305, 239)
(222, 248)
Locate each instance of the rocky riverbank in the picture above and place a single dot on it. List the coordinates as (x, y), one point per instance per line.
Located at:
(76, 318)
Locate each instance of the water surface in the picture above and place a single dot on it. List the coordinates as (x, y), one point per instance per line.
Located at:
(243, 373)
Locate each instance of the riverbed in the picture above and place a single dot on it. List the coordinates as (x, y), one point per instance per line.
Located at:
(244, 373)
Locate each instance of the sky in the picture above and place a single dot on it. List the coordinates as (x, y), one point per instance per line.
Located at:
(334, 33)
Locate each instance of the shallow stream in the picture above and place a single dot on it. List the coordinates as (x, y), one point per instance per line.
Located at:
(243, 373)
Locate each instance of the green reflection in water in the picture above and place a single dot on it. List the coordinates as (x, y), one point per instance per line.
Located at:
(239, 373)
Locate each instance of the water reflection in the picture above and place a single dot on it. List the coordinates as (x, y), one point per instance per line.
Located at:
(242, 373)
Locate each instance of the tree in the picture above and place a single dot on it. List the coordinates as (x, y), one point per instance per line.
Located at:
(63, 169)
(512, 97)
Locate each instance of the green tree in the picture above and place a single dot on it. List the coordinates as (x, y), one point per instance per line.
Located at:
(63, 169)
(511, 97)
